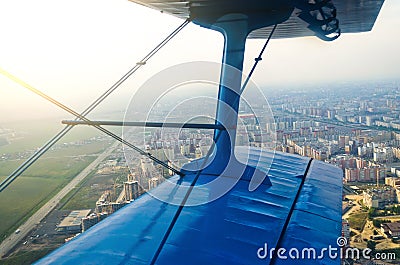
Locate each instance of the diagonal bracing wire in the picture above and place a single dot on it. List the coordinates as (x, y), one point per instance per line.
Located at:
(90, 108)
(258, 59)
(76, 114)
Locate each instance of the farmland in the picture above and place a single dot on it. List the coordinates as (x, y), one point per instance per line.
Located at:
(48, 175)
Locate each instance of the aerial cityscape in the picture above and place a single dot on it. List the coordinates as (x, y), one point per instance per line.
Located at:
(355, 129)
(263, 132)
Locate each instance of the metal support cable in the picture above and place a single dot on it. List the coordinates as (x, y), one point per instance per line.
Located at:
(135, 68)
(258, 59)
(90, 108)
(76, 114)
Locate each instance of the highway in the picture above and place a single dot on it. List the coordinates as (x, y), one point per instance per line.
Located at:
(10, 242)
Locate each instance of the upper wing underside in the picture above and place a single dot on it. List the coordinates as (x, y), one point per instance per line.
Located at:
(354, 15)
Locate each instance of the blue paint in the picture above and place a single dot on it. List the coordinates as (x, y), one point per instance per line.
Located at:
(235, 34)
(235, 28)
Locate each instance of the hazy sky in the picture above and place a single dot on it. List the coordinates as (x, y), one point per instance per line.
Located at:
(75, 49)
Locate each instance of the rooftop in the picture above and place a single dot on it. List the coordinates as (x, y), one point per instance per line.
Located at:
(394, 227)
(74, 218)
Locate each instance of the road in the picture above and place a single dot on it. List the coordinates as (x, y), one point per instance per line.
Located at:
(388, 217)
(341, 124)
(9, 243)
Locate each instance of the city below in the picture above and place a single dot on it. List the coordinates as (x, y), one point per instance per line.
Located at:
(356, 129)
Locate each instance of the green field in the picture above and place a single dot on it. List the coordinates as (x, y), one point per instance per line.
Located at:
(34, 188)
(34, 134)
(48, 175)
(25, 257)
(90, 148)
(357, 220)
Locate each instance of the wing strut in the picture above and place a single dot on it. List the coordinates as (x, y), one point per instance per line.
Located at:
(148, 124)
(16, 173)
(209, 154)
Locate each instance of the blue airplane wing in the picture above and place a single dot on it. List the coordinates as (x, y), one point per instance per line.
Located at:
(301, 209)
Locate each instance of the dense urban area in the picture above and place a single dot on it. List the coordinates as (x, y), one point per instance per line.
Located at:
(357, 130)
